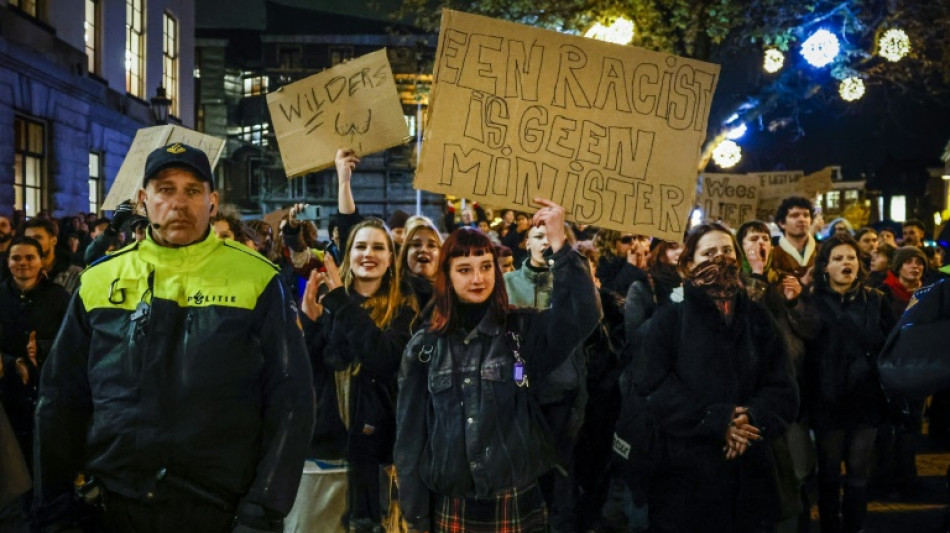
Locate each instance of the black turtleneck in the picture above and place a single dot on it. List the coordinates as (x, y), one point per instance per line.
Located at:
(471, 314)
(535, 268)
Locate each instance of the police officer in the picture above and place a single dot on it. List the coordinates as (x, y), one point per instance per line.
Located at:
(179, 386)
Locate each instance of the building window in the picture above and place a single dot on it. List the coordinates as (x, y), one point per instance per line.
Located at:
(255, 134)
(170, 60)
(232, 85)
(254, 85)
(850, 196)
(288, 57)
(28, 7)
(29, 160)
(833, 200)
(340, 54)
(96, 182)
(91, 34)
(898, 208)
(135, 47)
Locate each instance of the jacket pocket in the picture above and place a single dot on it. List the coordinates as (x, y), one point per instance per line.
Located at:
(496, 371)
(439, 383)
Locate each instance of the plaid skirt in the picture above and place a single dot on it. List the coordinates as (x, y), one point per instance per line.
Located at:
(510, 511)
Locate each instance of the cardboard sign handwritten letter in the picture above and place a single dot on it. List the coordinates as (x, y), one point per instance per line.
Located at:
(610, 132)
(129, 179)
(731, 198)
(354, 104)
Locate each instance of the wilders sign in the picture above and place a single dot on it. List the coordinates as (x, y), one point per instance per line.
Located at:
(610, 132)
(354, 104)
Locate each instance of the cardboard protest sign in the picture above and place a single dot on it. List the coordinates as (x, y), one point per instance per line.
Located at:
(129, 179)
(774, 186)
(353, 104)
(610, 132)
(731, 198)
(273, 218)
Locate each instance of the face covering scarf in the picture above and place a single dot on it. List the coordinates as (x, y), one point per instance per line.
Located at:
(718, 278)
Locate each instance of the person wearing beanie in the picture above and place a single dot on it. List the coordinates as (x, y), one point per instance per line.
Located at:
(880, 265)
(397, 227)
(904, 277)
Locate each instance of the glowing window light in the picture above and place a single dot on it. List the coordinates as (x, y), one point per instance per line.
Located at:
(695, 218)
(821, 48)
(851, 89)
(774, 60)
(619, 32)
(737, 132)
(894, 44)
(898, 208)
(727, 154)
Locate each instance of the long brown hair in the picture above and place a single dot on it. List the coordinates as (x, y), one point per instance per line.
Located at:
(385, 303)
(464, 242)
(692, 243)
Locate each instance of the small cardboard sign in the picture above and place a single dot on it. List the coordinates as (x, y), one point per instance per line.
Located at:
(354, 104)
(731, 198)
(775, 186)
(612, 133)
(129, 179)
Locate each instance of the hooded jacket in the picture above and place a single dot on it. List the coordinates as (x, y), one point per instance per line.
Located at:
(183, 361)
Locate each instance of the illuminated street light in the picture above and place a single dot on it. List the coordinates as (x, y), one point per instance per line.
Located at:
(774, 59)
(851, 89)
(727, 154)
(620, 31)
(821, 48)
(893, 45)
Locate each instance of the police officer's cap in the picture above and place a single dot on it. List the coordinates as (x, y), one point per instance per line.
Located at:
(182, 156)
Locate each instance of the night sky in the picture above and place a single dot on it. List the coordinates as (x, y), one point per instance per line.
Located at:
(884, 130)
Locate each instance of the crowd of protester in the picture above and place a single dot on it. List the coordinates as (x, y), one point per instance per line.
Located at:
(518, 372)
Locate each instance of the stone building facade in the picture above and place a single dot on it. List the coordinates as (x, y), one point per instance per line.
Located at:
(76, 80)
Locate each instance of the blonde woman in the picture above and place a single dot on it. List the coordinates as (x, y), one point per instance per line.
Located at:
(358, 319)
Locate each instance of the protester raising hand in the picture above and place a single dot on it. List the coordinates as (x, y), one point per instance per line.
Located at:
(346, 162)
(310, 304)
(551, 216)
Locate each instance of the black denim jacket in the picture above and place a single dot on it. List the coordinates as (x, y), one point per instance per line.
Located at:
(464, 427)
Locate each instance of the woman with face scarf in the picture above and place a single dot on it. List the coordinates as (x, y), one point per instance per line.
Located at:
(842, 397)
(713, 373)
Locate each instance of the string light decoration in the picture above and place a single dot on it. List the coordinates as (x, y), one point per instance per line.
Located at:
(893, 45)
(620, 31)
(774, 60)
(821, 48)
(727, 154)
(737, 132)
(851, 89)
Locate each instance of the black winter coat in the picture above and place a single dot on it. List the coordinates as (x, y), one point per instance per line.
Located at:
(842, 389)
(346, 343)
(696, 370)
(40, 309)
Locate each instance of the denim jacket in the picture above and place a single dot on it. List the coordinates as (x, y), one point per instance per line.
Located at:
(464, 427)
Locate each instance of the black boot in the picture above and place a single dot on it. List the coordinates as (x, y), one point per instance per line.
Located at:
(829, 507)
(854, 508)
